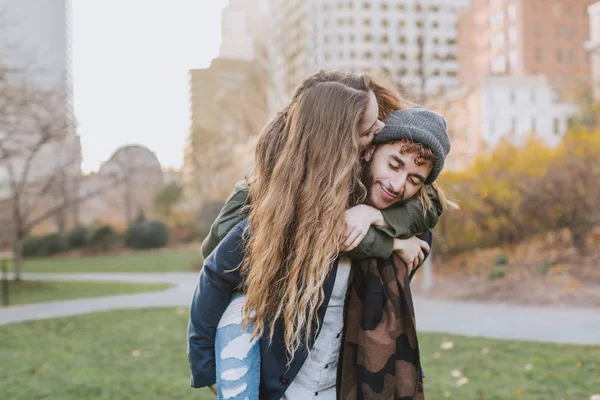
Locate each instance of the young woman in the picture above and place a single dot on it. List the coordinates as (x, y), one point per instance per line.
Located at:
(306, 176)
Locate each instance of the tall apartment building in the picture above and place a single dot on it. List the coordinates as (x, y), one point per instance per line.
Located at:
(526, 37)
(241, 27)
(411, 41)
(593, 46)
(501, 107)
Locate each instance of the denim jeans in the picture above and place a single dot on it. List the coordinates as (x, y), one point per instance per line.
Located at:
(237, 357)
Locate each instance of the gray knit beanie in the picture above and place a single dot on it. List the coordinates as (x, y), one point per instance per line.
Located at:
(421, 126)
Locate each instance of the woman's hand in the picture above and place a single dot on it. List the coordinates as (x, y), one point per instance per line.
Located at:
(213, 388)
(411, 251)
(358, 221)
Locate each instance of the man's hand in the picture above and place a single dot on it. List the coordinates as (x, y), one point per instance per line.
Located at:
(411, 251)
(358, 221)
(213, 388)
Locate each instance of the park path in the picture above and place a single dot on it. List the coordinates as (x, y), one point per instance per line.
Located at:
(501, 321)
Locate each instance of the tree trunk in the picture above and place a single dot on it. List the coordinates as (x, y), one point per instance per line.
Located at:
(18, 258)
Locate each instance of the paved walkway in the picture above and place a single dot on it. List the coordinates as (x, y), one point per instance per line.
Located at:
(551, 324)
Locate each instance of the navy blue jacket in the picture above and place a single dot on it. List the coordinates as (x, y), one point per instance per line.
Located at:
(216, 284)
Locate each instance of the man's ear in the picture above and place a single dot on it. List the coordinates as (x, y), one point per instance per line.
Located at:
(369, 153)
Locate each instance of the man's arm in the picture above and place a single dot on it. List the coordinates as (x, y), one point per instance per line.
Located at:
(229, 216)
(219, 277)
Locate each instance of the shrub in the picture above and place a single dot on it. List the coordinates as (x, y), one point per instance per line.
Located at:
(498, 273)
(31, 246)
(544, 268)
(39, 246)
(502, 259)
(104, 236)
(147, 234)
(79, 237)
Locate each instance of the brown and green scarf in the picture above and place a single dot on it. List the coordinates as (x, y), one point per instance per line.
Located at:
(380, 352)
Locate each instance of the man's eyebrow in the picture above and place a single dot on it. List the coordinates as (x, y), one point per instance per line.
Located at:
(398, 160)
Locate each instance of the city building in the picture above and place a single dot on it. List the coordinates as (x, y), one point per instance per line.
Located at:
(526, 37)
(593, 46)
(411, 41)
(501, 107)
(241, 29)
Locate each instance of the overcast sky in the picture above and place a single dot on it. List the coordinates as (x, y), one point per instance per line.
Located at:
(130, 72)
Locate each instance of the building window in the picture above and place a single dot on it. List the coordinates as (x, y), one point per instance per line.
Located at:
(367, 5)
(418, 8)
(538, 54)
(341, 38)
(367, 22)
(559, 55)
(402, 56)
(512, 35)
(351, 38)
(434, 9)
(384, 7)
(559, 32)
(384, 39)
(385, 56)
(352, 54)
(384, 23)
(435, 25)
(555, 125)
(368, 38)
(341, 55)
(402, 71)
(401, 7)
(451, 74)
(512, 12)
(513, 97)
(401, 24)
(513, 124)
(402, 40)
(351, 21)
(570, 32)
(419, 24)
(537, 31)
(513, 58)
(572, 56)
(451, 41)
(340, 22)
(368, 55)
(533, 128)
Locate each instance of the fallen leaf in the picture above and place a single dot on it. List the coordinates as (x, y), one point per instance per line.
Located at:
(485, 350)
(456, 373)
(579, 364)
(437, 356)
(447, 345)
(462, 381)
(518, 392)
(135, 353)
(447, 394)
(528, 367)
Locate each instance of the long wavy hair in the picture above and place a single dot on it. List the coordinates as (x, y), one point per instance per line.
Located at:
(307, 173)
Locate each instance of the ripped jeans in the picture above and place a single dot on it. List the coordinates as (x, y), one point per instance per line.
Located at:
(237, 358)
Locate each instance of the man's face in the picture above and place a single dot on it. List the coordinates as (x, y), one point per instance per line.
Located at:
(391, 177)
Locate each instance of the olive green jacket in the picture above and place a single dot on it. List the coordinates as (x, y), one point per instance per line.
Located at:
(406, 220)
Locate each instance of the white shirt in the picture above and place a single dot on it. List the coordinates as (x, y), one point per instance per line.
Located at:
(317, 377)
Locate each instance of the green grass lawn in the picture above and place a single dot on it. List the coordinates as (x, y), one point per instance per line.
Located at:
(141, 354)
(152, 261)
(26, 292)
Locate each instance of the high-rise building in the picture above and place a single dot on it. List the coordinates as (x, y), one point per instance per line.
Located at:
(593, 46)
(501, 107)
(411, 41)
(241, 28)
(35, 63)
(526, 37)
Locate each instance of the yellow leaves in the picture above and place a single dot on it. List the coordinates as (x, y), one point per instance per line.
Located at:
(517, 392)
(136, 353)
(579, 364)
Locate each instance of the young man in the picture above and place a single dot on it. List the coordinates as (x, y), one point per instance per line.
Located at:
(397, 169)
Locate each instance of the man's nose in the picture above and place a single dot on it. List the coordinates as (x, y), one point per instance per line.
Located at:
(398, 184)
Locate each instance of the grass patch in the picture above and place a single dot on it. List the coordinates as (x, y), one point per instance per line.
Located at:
(508, 369)
(152, 261)
(141, 354)
(27, 292)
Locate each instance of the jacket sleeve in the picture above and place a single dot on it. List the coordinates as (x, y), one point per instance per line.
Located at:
(229, 216)
(219, 277)
(408, 219)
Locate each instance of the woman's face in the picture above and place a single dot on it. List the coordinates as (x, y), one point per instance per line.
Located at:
(370, 125)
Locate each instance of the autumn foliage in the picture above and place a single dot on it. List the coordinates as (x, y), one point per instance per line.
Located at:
(518, 191)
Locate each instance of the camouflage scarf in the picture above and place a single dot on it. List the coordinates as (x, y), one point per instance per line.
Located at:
(380, 352)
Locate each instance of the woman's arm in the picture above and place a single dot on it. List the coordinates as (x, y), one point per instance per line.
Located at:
(229, 216)
(402, 221)
(219, 277)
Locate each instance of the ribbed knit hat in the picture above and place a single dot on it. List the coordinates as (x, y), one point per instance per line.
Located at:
(421, 126)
